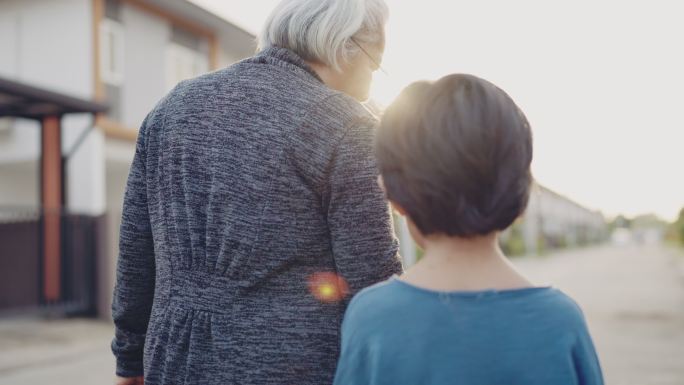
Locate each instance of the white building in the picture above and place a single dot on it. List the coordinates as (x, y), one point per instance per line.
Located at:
(553, 221)
(126, 53)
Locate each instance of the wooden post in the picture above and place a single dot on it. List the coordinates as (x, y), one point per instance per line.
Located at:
(214, 53)
(51, 202)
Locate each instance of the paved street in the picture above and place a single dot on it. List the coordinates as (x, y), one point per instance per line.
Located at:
(71, 352)
(633, 298)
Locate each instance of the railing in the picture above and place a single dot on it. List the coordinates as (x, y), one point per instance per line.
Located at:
(23, 271)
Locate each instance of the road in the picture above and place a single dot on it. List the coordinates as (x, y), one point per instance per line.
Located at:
(633, 299)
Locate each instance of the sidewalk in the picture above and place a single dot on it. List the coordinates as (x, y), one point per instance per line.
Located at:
(56, 352)
(633, 299)
(678, 258)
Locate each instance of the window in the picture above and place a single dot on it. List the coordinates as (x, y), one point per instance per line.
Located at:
(112, 58)
(111, 52)
(113, 97)
(187, 57)
(183, 63)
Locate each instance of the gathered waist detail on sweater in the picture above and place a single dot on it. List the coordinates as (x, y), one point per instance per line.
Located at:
(204, 291)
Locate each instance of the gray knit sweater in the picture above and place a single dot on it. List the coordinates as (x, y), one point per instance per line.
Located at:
(247, 182)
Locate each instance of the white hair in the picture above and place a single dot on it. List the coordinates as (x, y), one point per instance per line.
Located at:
(322, 30)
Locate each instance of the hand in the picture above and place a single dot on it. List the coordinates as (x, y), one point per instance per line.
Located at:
(130, 381)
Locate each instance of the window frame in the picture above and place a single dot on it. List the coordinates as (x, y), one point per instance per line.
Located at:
(112, 76)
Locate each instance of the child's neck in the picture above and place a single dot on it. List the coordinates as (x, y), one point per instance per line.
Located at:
(453, 263)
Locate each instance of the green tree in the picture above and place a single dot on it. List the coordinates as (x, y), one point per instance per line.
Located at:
(679, 226)
(513, 244)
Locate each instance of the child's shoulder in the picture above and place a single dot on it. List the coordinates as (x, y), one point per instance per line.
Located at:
(562, 301)
(376, 299)
(378, 293)
(562, 308)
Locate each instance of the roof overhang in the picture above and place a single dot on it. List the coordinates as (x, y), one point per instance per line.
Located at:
(25, 101)
(242, 43)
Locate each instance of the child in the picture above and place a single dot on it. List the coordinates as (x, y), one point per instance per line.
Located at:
(454, 158)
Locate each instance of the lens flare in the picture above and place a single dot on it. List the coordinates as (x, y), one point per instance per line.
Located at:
(328, 287)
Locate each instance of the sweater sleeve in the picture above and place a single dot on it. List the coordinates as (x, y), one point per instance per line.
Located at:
(586, 361)
(135, 272)
(334, 155)
(359, 219)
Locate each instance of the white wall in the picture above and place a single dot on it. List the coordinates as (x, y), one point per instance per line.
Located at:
(49, 44)
(146, 40)
(85, 170)
(21, 143)
(19, 181)
(9, 47)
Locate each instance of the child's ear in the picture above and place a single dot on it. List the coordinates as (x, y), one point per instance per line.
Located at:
(381, 183)
(398, 209)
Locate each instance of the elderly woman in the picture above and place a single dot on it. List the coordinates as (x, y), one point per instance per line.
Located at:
(252, 212)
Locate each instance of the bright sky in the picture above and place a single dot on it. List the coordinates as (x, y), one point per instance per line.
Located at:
(602, 83)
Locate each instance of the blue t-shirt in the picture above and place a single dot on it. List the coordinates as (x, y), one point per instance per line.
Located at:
(395, 333)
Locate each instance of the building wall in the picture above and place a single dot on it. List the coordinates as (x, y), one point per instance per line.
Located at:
(19, 180)
(146, 39)
(10, 23)
(553, 221)
(19, 142)
(50, 45)
(85, 167)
